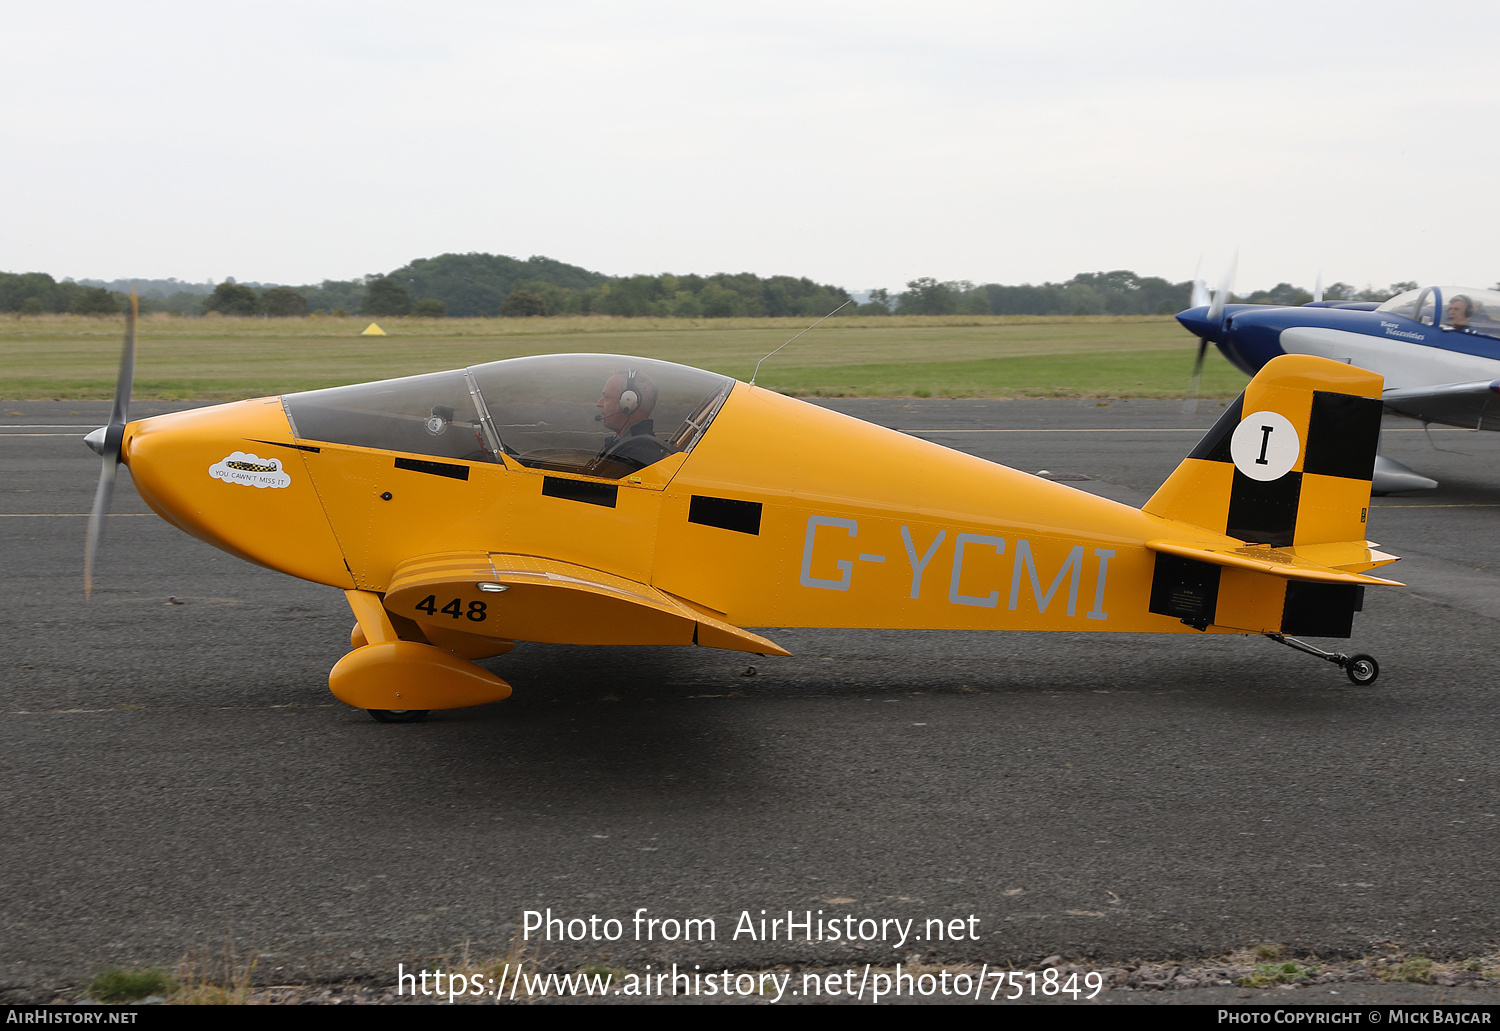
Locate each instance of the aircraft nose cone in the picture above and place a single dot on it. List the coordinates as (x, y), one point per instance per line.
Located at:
(95, 440)
(1197, 322)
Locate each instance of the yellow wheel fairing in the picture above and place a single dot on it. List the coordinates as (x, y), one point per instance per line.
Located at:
(407, 675)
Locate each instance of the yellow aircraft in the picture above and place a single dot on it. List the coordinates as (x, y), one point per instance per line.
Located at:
(598, 499)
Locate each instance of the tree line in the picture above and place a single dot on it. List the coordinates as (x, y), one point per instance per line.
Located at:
(1121, 292)
(478, 285)
(36, 293)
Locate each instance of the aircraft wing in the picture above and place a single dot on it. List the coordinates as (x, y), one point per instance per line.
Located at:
(532, 598)
(1470, 405)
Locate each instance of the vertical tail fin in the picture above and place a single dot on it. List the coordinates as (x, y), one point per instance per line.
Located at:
(1289, 463)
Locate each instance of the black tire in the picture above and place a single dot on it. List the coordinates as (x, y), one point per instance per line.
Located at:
(399, 715)
(1362, 669)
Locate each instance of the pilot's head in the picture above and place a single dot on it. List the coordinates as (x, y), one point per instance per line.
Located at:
(627, 398)
(1460, 310)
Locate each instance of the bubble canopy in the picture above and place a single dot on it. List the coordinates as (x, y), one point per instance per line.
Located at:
(597, 414)
(1469, 309)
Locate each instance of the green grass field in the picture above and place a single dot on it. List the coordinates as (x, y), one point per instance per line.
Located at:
(60, 356)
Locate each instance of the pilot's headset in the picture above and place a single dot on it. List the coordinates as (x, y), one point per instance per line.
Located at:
(630, 398)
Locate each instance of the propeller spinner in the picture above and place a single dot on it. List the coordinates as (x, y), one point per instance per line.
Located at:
(106, 442)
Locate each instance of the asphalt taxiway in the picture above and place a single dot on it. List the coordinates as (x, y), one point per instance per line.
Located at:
(175, 777)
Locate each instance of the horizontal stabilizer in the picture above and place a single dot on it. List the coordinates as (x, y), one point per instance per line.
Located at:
(1288, 562)
(1470, 405)
(531, 598)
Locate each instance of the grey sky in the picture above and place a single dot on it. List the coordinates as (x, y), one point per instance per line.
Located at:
(862, 144)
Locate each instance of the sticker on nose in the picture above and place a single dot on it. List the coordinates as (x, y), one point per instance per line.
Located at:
(251, 471)
(1265, 446)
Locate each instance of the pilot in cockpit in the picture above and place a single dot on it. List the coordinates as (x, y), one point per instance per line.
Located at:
(1460, 310)
(625, 406)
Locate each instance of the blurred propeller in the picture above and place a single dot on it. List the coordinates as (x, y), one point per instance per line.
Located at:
(1216, 306)
(1200, 294)
(1191, 404)
(106, 441)
(1318, 288)
(1215, 312)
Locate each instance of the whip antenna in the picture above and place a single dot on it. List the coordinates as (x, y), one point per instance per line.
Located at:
(815, 325)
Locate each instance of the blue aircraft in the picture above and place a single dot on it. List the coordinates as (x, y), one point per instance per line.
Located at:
(1437, 347)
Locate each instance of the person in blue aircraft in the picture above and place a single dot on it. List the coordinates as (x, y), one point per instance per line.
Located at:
(1460, 310)
(625, 406)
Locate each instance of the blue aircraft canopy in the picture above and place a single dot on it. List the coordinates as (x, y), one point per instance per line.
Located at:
(1465, 309)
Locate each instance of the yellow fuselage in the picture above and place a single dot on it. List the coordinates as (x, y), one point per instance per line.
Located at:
(856, 526)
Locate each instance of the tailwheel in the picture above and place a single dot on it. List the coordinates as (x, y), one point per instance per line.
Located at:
(1362, 669)
(402, 715)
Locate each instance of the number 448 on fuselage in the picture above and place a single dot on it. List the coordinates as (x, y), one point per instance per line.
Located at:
(606, 500)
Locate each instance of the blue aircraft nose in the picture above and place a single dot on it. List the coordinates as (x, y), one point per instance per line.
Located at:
(1197, 322)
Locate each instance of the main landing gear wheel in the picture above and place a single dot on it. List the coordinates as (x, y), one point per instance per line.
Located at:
(418, 715)
(1362, 669)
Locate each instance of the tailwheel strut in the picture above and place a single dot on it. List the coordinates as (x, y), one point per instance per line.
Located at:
(1360, 669)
